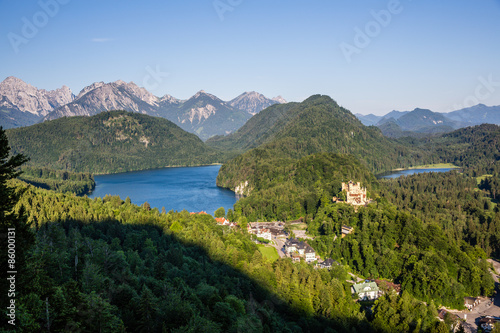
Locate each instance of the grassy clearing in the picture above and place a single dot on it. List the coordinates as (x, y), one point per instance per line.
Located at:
(478, 179)
(268, 252)
(299, 226)
(435, 166)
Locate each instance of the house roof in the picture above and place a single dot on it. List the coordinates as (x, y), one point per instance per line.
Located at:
(346, 229)
(487, 320)
(327, 262)
(365, 287)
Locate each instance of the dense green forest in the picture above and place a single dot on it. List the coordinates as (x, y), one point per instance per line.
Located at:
(430, 233)
(108, 265)
(59, 180)
(291, 189)
(110, 142)
(452, 200)
(393, 244)
(475, 147)
(316, 125)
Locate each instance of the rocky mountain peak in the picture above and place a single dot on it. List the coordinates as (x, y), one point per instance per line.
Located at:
(24, 97)
(93, 86)
(168, 99)
(252, 102)
(279, 99)
(121, 82)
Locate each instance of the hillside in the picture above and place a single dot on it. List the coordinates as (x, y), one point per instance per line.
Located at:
(475, 146)
(109, 142)
(257, 130)
(291, 131)
(290, 189)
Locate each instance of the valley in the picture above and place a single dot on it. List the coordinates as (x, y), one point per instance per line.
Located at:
(428, 233)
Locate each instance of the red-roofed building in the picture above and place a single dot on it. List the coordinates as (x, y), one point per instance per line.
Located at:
(198, 213)
(221, 220)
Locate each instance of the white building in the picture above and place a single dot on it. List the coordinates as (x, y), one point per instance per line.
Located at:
(366, 290)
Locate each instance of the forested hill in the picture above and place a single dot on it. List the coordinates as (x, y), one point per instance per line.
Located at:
(109, 142)
(476, 147)
(316, 125)
(257, 130)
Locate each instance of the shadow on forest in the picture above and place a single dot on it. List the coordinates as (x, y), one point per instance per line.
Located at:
(174, 269)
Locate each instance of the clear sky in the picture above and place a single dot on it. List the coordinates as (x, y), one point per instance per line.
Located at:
(370, 56)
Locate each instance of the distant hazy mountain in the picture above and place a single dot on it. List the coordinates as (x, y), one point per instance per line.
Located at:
(369, 119)
(395, 114)
(423, 121)
(203, 114)
(419, 121)
(476, 115)
(253, 102)
(22, 104)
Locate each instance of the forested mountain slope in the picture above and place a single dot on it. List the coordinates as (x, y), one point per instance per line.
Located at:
(316, 125)
(109, 142)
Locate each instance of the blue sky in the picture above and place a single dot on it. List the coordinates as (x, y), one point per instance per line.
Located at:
(370, 56)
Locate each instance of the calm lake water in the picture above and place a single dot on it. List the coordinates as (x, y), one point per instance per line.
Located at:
(190, 188)
(400, 173)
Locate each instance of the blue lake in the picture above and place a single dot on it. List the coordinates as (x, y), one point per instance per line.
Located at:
(190, 188)
(408, 172)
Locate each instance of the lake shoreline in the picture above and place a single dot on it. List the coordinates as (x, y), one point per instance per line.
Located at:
(191, 188)
(160, 168)
(430, 166)
(396, 173)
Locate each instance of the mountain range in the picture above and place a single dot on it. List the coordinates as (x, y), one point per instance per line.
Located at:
(206, 115)
(421, 122)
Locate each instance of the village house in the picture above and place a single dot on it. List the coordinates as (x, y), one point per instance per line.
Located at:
(310, 254)
(355, 194)
(366, 290)
(278, 233)
(443, 313)
(291, 246)
(328, 263)
(487, 323)
(198, 213)
(264, 233)
(298, 249)
(346, 230)
(260, 231)
(222, 221)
